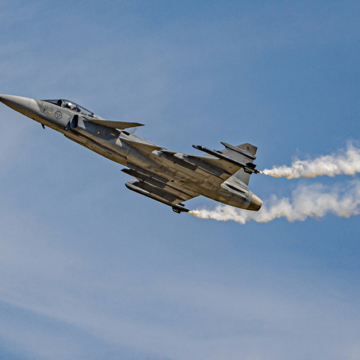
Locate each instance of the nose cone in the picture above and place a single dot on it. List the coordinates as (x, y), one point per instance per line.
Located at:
(21, 104)
(255, 204)
(15, 102)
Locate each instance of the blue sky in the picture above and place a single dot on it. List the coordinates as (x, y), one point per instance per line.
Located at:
(90, 270)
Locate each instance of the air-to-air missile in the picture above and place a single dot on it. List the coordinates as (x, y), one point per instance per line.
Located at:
(164, 175)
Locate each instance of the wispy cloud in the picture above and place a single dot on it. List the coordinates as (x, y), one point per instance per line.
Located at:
(89, 271)
(162, 317)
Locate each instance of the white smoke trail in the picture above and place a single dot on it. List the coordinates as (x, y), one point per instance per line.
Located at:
(313, 201)
(347, 163)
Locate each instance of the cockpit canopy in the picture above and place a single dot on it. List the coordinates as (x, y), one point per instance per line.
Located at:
(72, 106)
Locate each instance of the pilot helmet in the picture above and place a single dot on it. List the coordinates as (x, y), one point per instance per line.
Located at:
(68, 104)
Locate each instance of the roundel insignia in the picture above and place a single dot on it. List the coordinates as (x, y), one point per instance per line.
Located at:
(58, 115)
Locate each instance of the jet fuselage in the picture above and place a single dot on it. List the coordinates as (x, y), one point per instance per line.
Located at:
(163, 175)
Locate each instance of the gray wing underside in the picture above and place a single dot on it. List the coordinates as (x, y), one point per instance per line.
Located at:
(244, 153)
(158, 188)
(221, 164)
(173, 193)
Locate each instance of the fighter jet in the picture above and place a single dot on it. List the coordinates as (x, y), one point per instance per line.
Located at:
(167, 176)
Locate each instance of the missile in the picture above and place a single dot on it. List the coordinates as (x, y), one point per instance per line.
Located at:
(248, 167)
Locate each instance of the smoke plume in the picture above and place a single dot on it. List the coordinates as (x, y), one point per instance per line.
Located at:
(314, 201)
(347, 163)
